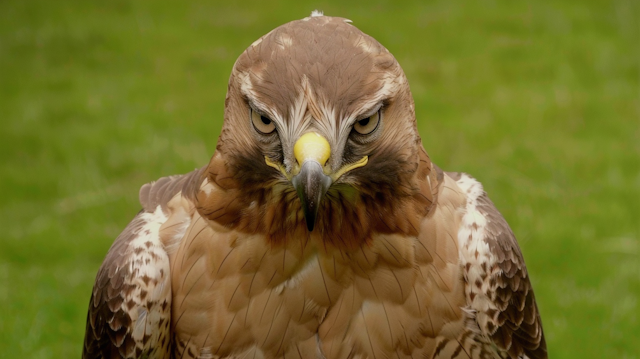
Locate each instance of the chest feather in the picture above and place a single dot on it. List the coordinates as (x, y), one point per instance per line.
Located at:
(236, 294)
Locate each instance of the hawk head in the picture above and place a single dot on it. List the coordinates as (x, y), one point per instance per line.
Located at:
(319, 137)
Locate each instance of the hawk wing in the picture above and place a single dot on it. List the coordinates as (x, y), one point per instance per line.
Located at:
(130, 308)
(498, 289)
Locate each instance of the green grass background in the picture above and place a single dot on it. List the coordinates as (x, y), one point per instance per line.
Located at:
(540, 100)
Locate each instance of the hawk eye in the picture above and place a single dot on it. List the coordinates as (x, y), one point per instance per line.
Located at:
(262, 124)
(367, 125)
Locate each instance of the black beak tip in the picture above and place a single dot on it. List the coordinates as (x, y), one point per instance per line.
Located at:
(311, 223)
(311, 184)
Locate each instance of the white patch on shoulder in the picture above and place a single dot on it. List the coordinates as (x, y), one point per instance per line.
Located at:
(478, 263)
(471, 234)
(316, 13)
(154, 219)
(148, 236)
(147, 299)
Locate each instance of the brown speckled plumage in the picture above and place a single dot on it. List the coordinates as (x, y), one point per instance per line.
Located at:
(405, 260)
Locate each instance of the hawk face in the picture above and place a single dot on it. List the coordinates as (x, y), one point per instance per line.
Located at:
(319, 134)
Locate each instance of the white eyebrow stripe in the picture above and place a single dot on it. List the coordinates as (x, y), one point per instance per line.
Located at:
(320, 110)
(373, 103)
(300, 117)
(246, 88)
(308, 106)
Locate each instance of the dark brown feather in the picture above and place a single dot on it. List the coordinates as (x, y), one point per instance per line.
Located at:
(519, 328)
(108, 330)
(106, 322)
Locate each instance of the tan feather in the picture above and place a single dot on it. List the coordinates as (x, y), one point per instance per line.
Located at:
(405, 259)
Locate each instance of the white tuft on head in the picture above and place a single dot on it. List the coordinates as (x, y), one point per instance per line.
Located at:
(315, 13)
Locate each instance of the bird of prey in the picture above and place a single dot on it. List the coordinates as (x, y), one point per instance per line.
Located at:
(319, 229)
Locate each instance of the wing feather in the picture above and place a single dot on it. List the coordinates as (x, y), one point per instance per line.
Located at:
(130, 307)
(109, 323)
(503, 302)
(518, 317)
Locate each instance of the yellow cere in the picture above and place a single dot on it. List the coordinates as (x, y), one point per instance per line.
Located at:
(312, 146)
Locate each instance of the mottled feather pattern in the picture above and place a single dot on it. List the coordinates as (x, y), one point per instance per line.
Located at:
(498, 288)
(405, 260)
(130, 308)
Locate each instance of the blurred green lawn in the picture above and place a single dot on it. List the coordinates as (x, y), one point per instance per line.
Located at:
(539, 100)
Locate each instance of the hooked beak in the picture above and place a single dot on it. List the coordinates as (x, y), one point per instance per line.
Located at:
(312, 181)
(312, 152)
(311, 184)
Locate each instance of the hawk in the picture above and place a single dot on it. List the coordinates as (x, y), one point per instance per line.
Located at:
(319, 229)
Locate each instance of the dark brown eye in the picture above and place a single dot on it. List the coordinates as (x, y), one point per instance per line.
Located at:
(367, 125)
(262, 124)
